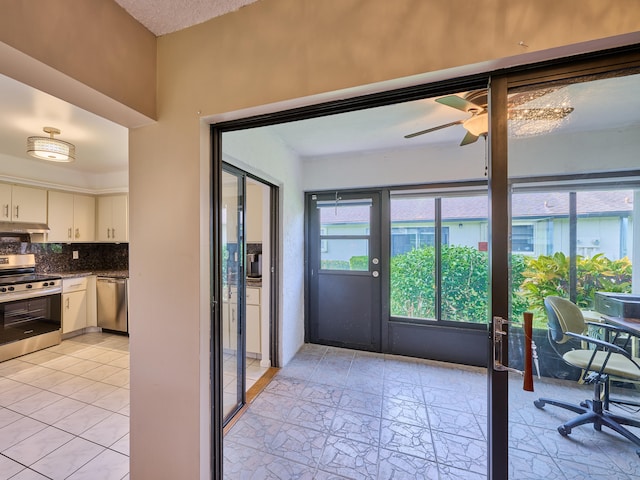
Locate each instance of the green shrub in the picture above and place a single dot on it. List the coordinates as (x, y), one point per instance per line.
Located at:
(334, 265)
(360, 263)
(465, 283)
(549, 275)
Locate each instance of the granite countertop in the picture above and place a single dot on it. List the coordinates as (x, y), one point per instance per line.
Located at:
(99, 273)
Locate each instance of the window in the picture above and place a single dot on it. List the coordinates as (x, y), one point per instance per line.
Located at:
(344, 234)
(439, 266)
(522, 238)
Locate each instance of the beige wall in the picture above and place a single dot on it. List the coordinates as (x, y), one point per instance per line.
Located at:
(270, 51)
(93, 41)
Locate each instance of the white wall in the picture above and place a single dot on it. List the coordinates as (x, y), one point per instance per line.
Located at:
(542, 155)
(408, 166)
(265, 156)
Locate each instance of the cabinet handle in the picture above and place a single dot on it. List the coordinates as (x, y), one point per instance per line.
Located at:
(69, 233)
(67, 306)
(108, 233)
(113, 233)
(17, 211)
(77, 233)
(6, 211)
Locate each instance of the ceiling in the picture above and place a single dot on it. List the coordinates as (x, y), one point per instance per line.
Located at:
(167, 16)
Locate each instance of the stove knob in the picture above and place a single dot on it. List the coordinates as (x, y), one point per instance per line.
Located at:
(29, 286)
(45, 284)
(3, 289)
(51, 284)
(11, 289)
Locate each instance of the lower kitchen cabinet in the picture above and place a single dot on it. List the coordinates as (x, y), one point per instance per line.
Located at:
(74, 304)
(253, 320)
(230, 321)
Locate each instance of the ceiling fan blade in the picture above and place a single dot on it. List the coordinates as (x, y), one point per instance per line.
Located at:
(433, 129)
(460, 103)
(468, 138)
(551, 113)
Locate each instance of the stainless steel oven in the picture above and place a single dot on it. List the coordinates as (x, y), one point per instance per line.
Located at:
(30, 307)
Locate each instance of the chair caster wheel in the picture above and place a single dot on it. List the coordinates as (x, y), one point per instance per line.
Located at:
(538, 403)
(564, 431)
(597, 427)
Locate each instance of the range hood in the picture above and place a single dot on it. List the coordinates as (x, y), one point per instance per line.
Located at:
(19, 228)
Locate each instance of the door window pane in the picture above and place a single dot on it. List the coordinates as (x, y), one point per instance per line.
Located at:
(345, 254)
(345, 226)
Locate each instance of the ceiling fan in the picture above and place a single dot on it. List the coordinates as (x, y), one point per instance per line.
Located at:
(475, 102)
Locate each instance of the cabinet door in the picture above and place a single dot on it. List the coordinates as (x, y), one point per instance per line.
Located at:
(233, 327)
(253, 329)
(84, 218)
(74, 311)
(120, 218)
(60, 217)
(113, 221)
(5, 202)
(253, 223)
(105, 209)
(28, 204)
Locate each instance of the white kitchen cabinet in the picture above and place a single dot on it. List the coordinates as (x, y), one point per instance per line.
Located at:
(113, 218)
(71, 217)
(253, 320)
(74, 304)
(253, 217)
(23, 204)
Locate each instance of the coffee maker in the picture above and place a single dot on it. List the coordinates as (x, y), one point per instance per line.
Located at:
(254, 265)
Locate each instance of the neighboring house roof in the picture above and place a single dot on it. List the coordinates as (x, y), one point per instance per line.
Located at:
(533, 205)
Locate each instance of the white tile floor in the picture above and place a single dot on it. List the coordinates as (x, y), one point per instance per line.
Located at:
(230, 367)
(64, 411)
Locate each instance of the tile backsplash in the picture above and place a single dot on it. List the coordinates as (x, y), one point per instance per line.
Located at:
(58, 257)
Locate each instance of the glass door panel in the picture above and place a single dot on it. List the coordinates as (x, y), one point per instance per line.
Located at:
(573, 173)
(233, 290)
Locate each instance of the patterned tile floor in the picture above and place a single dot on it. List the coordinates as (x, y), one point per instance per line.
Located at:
(64, 411)
(330, 414)
(336, 414)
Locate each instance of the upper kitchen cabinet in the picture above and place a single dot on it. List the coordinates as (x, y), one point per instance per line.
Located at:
(72, 217)
(254, 213)
(23, 204)
(113, 218)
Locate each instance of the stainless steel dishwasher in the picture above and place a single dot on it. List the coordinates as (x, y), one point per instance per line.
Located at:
(112, 304)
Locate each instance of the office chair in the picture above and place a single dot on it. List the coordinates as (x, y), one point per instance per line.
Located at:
(598, 362)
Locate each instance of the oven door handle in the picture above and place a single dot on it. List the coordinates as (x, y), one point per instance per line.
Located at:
(25, 295)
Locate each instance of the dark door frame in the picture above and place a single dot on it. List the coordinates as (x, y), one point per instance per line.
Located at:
(600, 61)
(315, 274)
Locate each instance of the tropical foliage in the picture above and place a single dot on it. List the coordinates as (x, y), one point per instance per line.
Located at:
(465, 288)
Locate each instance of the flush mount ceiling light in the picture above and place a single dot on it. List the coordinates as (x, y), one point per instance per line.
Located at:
(49, 148)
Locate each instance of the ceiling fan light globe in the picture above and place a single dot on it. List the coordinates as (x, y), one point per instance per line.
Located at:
(477, 125)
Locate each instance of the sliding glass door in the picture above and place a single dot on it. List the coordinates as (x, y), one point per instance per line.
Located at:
(574, 178)
(233, 285)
